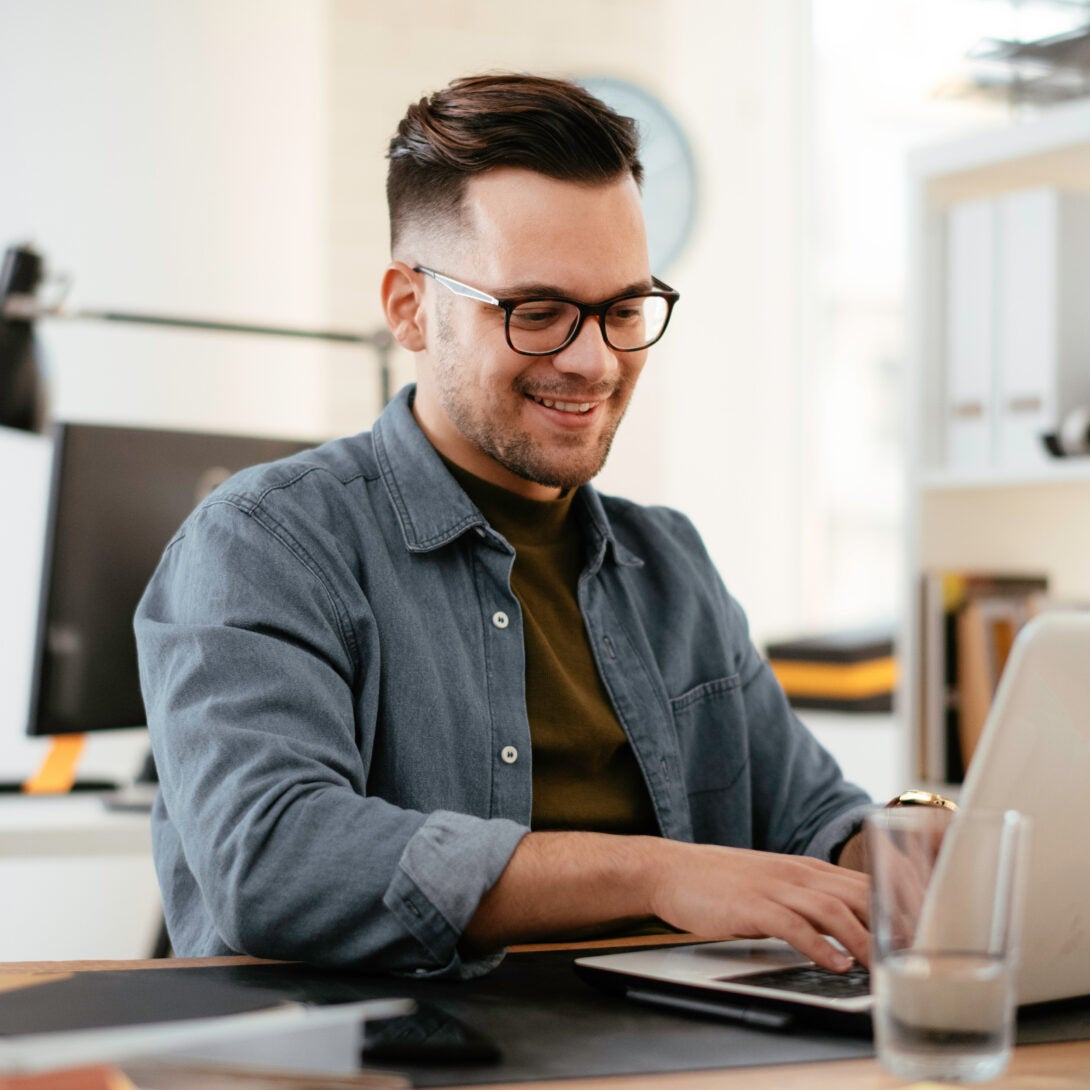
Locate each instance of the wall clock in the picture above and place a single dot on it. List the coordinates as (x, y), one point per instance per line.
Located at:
(670, 182)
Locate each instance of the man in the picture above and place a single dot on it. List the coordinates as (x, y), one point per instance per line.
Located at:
(423, 692)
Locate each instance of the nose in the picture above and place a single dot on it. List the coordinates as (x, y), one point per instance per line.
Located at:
(588, 355)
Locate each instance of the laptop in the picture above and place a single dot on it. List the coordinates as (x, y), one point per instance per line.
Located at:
(1033, 756)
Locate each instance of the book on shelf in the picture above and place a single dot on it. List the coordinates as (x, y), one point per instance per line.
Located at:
(969, 620)
(853, 670)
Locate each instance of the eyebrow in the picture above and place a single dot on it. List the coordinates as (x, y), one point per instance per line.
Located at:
(538, 289)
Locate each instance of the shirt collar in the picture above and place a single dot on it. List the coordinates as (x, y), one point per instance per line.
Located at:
(431, 507)
(433, 510)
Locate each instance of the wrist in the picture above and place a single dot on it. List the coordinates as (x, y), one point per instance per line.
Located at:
(654, 874)
(852, 853)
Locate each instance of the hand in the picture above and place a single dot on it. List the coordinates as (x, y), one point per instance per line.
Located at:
(719, 892)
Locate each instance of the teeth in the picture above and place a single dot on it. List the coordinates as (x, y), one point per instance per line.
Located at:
(566, 406)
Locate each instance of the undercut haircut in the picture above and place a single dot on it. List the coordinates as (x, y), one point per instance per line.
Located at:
(480, 123)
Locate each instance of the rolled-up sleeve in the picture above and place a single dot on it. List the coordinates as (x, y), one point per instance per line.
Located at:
(267, 842)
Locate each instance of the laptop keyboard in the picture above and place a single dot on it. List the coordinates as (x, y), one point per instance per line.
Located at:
(811, 980)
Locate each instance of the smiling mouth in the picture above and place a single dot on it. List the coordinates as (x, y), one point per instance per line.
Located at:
(576, 407)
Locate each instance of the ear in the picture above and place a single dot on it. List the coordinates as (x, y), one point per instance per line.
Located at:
(403, 306)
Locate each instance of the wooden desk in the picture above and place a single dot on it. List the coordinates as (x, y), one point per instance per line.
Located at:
(1039, 1067)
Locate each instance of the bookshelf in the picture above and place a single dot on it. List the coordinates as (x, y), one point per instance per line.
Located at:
(1030, 514)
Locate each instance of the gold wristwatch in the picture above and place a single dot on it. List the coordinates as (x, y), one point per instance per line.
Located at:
(915, 797)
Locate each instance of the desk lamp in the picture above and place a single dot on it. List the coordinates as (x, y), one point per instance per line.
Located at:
(21, 385)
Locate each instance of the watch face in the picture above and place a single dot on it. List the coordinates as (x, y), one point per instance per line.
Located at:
(669, 181)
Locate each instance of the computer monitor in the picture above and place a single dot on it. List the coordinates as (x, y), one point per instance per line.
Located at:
(117, 496)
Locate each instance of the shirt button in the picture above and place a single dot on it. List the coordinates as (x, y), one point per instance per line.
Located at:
(500, 619)
(509, 755)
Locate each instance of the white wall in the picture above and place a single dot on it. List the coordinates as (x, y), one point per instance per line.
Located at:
(171, 157)
(732, 397)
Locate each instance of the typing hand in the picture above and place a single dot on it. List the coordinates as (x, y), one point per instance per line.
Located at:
(719, 892)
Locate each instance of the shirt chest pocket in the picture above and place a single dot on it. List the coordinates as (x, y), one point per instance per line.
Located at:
(710, 721)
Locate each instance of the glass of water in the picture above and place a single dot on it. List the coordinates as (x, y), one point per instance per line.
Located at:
(946, 902)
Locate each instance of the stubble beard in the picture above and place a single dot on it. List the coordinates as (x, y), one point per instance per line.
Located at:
(513, 448)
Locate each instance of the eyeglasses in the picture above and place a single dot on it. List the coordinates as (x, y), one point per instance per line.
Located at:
(545, 325)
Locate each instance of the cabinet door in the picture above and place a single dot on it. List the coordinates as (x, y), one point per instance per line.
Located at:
(1026, 325)
(970, 272)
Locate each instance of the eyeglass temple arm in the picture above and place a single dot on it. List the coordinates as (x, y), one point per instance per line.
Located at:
(458, 287)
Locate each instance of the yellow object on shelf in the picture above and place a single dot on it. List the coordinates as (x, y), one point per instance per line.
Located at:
(854, 670)
(833, 681)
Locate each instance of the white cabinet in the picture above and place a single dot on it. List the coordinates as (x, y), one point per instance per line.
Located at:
(999, 351)
(970, 262)
(1017, 339)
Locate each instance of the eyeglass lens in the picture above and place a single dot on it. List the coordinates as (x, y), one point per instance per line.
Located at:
(545, 325)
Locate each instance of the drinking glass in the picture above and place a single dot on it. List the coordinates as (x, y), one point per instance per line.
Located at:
(946, 902)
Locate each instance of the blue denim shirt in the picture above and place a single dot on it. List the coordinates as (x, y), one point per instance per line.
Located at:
(332, 664)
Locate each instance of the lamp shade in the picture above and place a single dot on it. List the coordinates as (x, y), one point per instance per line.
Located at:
(21, 391)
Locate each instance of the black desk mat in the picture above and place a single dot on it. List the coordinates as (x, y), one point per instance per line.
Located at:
(549, 1023)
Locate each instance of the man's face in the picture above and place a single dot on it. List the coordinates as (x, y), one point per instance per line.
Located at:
(531, 424)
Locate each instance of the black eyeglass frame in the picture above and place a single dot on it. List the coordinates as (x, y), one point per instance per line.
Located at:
(596, 310)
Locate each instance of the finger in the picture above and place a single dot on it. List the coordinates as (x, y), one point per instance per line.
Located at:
(831, 916)
(782, 922)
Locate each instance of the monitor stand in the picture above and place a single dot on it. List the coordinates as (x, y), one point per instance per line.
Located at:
(57, 774)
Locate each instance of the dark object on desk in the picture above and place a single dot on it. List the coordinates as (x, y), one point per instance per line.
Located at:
(842, 671)
(428, 1035)
(729, 1011)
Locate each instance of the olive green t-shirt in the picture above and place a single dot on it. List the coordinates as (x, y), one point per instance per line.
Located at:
(585, 775)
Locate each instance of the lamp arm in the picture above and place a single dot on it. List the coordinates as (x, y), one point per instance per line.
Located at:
(25, 308)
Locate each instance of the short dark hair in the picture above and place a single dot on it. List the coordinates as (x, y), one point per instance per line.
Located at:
(479, 123)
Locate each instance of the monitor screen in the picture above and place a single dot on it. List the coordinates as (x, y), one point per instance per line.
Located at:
(117, 496)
